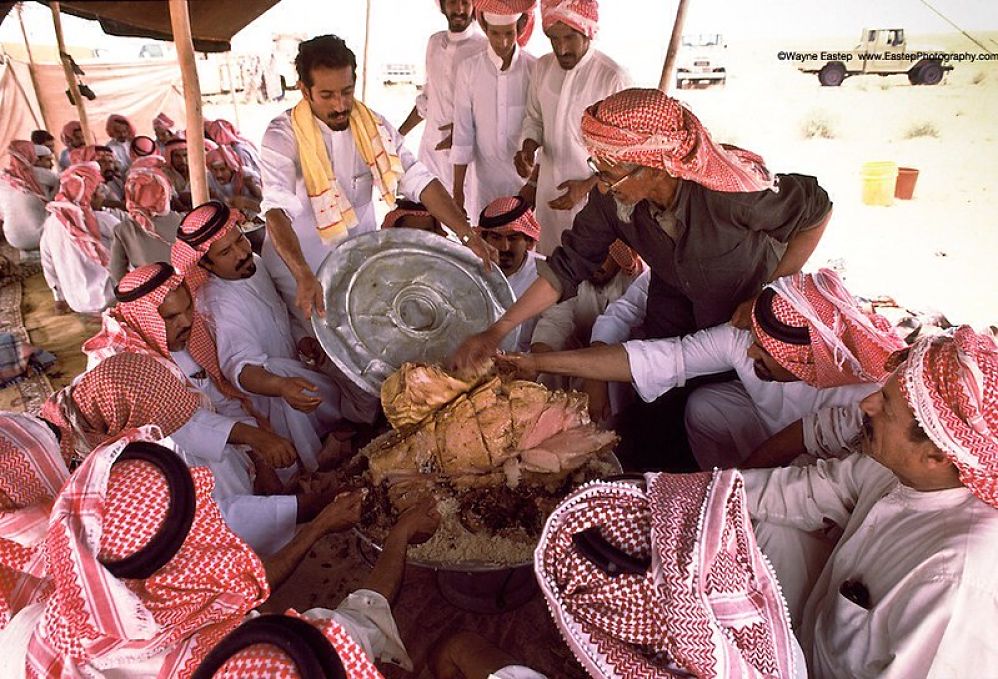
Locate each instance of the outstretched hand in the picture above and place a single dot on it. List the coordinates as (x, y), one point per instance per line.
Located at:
(419, 522)
(309, 297)
(742, 318)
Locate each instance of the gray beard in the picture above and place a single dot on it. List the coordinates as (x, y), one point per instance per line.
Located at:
(625, 211)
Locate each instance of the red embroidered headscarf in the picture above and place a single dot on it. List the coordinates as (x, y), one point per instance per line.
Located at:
(224, 154)
(651, 129)
(813, 327)
(66, 136)
(510, 214)
(142, 147)
(514, 8)
(201, 227)
(115, 118)
(147, 195)
(141, 563)
(71, 206)
(951, 384)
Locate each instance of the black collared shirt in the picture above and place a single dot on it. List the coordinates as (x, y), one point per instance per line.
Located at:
(722, 248)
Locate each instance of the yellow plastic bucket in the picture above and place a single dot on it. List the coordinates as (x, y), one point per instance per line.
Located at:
(879, 179)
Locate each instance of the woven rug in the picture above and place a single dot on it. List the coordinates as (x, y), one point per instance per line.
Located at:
(29, 394)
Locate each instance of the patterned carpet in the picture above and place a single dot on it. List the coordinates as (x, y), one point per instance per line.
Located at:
(29, 394)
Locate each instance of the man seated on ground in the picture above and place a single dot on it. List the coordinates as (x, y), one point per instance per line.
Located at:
(71, 138)
(44, 138)
(910, 588)
(569, 324)
(224, 133)
(110, 171)
(141, 147)
(175, 153)
(146, 234)
(508, 224)
(155, 316)
(359, 632)
(235, 184)
(410, 215)
(22, 197)
(252, 330)
(162, 127)
(120, 132)
(810, 347)
(142, 562)
(75, 241)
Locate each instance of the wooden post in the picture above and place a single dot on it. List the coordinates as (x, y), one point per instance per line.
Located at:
(670, 56)
(31, 71)
(232, 88)
(67, 68)
(367, 42)
(180, 22)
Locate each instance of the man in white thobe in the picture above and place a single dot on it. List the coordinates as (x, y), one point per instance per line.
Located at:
(910, 588)
(328, 121)
(445, 51)
(780, 380)
(489, 104)
(574, 76)
(256, 348)
(75, 240)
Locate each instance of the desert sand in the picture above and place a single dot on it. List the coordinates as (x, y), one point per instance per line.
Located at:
(936, 251)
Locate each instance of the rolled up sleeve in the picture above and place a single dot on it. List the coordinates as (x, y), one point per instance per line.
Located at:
(463, 147)
(799, 205)
(279, 169)
(616, 324)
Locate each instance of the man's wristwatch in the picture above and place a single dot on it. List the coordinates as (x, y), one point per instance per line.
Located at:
(466, 238)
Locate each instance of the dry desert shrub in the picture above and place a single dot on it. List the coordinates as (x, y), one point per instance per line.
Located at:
(979, 77)
(924, 128)
(818, 125)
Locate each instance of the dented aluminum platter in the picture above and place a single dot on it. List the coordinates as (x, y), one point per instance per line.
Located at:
(403, 295)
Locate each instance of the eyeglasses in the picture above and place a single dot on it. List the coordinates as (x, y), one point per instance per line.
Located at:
(611, 186)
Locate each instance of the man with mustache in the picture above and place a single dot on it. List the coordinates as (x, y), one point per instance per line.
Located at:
(323, 161)
(909, 588)
(445, 50)
(810, 347)
(711, 222)
(256, 349)
(563, 83)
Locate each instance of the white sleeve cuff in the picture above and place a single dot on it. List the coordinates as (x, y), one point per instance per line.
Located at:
(656, 366)
(461, 155)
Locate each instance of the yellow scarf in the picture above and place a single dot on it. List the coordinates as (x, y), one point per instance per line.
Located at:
(334, 215)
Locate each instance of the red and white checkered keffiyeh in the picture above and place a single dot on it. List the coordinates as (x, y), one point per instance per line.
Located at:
(508, 8)
(68, 130)
(115, 118)
(163, 122)
(141, 147)
(85, 154)
(147, 195)
(848, 346)
(267, 660)
(150, 162)
(626, 258)
(580, 15)
(709, 604)
(185, 257)
(31, 474)
(137, 327)
(123, 392)
(951, 384)
(92, 619)
(404, 209)
(19, 173)
(525, 222)
(71, 206)
(225, 154)
(224, 133)
(649, 128)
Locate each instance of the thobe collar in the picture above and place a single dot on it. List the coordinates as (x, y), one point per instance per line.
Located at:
(463, 35)
(927, 501)
(497, 62)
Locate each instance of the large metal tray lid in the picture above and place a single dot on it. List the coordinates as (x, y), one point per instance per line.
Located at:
(402, 295)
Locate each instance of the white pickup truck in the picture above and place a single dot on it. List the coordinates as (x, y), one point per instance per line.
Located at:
(881, 51)
(701, 60)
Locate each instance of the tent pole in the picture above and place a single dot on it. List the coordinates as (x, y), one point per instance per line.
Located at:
(74, 89)
(31, 71)
(367, 42)
(232, 88)
(670, 56)
(180, 21)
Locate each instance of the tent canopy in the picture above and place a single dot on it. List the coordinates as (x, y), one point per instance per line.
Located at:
(212, 23)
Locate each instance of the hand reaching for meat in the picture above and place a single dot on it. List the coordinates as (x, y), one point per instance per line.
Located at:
(419, 522)
(520, 366)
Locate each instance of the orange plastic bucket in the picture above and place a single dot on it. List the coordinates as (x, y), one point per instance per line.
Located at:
(905, 186)
(879, 179)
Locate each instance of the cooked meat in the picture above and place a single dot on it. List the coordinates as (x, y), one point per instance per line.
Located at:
(568, 449)
(415, 391)
(460, 448)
